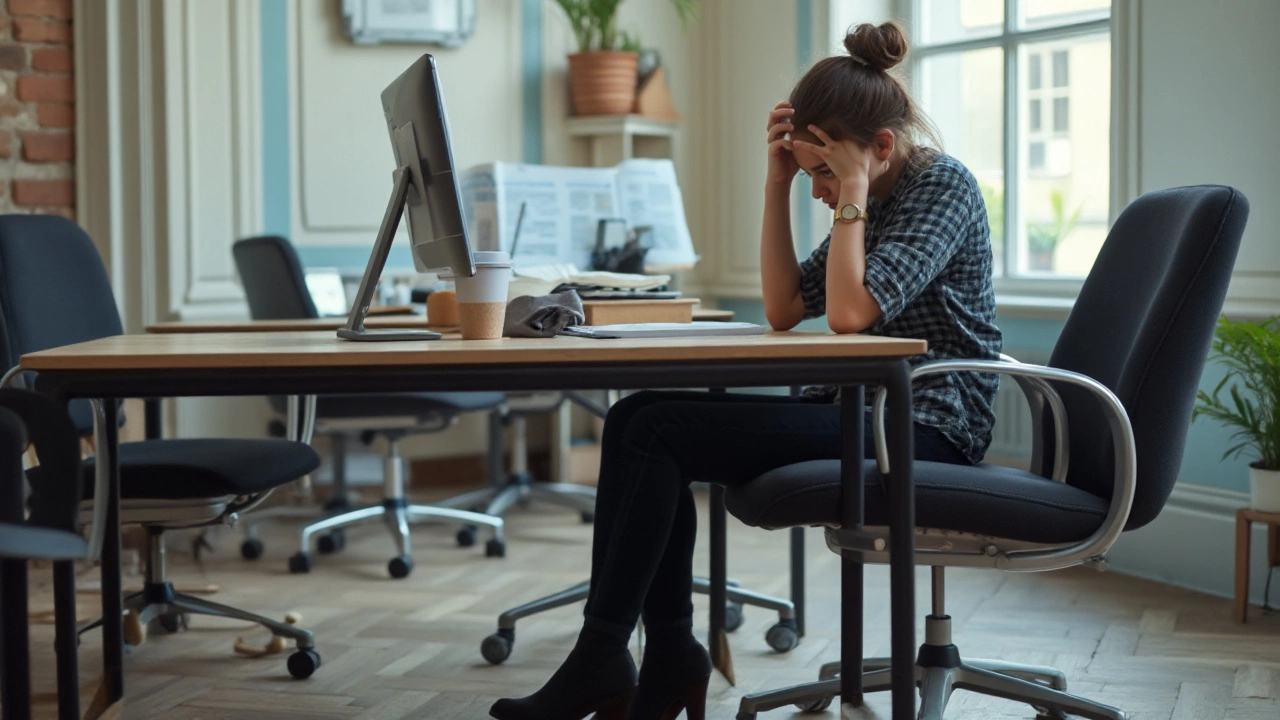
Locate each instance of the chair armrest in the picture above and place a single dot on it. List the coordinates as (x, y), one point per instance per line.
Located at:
(1126, 468)
(1037, 391)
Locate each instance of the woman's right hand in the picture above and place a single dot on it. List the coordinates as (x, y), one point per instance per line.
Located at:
(782, 162)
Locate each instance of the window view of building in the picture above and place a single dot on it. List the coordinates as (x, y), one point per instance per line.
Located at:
(1047, 187)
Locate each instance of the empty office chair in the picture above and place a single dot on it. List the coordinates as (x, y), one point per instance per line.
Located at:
(276, 289)
(1112, 407)
(54, 291)
(48, 534)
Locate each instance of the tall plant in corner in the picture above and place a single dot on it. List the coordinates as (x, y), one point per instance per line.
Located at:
(603, 73)
(1250, 352)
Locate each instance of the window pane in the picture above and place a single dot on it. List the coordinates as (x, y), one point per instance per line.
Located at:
(963, 93)
(1033, 119)
(1033, 71)
(950, 20)
(1063, 193)
(1061, 111)
(1061, 75)
(1044, 13)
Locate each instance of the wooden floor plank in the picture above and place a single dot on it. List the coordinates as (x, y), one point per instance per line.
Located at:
(410, 648)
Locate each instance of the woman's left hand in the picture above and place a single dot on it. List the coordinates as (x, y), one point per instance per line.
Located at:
(849, 162)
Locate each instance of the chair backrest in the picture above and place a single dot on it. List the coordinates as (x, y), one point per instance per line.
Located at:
(55, 500)
(1142, 326)
(54, 291)
(274, 283)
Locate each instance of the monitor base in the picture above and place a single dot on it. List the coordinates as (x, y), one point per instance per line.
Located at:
(387, 335)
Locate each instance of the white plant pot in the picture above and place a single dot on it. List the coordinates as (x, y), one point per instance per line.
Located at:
(1264, 489)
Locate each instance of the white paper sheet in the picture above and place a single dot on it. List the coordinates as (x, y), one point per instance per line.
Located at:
(563, 206)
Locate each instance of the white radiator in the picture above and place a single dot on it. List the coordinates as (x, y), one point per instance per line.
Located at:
(1011, 441)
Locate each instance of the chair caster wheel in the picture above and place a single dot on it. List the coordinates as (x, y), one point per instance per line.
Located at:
(588, 517)
(172, 622)
(251, 549)
(732, 616)
(783, 637)
(495, 548)
(815, 706)
(303, 663)
(300, 563)
(745, 716)
(466, 536)
(1050, 714)
(400, 567)
(497, 647)
(334, 542)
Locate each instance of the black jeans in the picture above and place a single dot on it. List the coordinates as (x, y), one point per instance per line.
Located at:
(655, 444)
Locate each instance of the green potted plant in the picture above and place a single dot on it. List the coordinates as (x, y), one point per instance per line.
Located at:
(604, 71)
(1043, 238)
(1251, 354)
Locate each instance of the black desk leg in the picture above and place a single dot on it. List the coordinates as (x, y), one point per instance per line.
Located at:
(718, 578)
(154, 418)
(902, 537)
(112, 600)
(66, 641)
(15, 686)
(797, 577)
(851, 480)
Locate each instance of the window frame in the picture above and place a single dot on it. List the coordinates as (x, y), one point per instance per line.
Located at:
(1008, 283)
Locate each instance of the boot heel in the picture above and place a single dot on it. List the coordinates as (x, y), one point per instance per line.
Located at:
(616, 707)
(693, 702)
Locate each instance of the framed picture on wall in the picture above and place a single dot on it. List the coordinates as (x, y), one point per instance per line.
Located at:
(430, 22)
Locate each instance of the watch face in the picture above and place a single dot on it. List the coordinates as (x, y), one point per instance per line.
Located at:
(849, 212)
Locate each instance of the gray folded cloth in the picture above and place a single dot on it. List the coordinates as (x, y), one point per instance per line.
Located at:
(543, 316)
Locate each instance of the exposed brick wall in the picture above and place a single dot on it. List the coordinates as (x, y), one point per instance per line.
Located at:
(37, 108)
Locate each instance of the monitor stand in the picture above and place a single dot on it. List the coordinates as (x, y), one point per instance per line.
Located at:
(355, 329)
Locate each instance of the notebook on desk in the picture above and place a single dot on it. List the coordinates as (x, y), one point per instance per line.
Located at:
(650, 330)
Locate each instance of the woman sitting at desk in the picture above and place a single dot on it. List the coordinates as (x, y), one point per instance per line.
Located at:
(909, 255)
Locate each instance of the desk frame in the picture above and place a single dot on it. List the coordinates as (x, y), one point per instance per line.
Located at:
(849, 373)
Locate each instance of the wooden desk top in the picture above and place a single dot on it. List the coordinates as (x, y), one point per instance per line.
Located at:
(375, 322)
(323, 349)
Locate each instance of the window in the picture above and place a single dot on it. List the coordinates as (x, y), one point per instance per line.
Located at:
(1020, 91)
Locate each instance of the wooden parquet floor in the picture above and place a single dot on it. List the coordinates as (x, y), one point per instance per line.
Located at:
(409, 648)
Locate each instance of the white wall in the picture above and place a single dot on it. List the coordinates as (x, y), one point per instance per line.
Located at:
(341, 155)
(1208, 114)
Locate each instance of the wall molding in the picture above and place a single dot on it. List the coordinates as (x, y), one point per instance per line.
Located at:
(1191, 544)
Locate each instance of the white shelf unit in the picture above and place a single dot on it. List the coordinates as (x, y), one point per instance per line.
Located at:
(611, 139)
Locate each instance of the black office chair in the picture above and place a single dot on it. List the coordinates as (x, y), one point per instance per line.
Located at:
(54, 291)
(50, 533)
(276, 289)
(1112, 410)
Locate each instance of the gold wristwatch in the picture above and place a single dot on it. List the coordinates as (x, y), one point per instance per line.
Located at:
(850, 213)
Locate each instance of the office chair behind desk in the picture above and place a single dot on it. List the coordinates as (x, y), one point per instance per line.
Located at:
(55, 293)
(276, 289)
(1110, 415)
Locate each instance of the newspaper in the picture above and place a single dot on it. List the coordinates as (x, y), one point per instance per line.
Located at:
(564, 205)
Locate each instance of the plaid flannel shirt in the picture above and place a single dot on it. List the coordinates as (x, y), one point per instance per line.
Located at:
(929, 268)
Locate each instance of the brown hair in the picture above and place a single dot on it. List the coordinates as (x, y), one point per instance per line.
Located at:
(854, 96)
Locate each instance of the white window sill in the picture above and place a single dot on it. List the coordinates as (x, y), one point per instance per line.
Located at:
(1034, 307)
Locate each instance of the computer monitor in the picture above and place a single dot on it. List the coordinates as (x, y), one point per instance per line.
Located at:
(425, 188)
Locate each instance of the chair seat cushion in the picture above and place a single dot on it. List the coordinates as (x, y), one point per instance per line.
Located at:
(25, 542)
(181, 469)
(984, 499)
(410, 404)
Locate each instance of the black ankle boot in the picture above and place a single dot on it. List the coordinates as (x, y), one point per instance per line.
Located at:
(598, 677)
(673, 675)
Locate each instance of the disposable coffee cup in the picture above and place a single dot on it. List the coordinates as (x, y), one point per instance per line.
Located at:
(482, 298)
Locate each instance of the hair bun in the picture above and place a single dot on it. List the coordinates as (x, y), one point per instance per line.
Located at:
(880, 47)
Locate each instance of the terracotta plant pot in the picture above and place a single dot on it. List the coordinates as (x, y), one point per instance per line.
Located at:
(604, 82)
